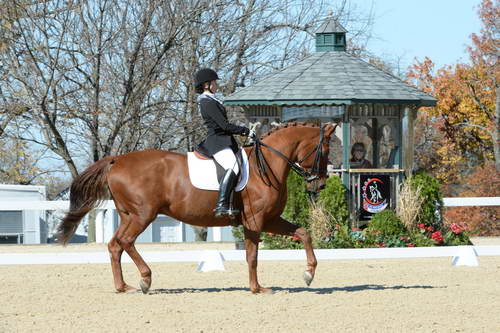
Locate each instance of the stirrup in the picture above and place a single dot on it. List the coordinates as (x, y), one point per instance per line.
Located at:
(223, 211)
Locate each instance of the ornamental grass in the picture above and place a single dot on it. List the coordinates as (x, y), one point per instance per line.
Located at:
(409, 204)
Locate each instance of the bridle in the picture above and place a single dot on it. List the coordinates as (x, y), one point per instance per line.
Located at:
(309, 175)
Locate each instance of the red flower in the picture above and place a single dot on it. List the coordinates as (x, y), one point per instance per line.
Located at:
(410, 245)
(404, 239)
(438, 238)
(381, 244)
(455, 228)
(421, 226)
(296, 238)
(429, 228)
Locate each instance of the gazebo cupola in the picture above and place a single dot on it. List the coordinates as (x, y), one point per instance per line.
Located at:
(330, 36)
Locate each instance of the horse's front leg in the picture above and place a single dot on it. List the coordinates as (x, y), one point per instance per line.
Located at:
(252, 239)
(281, 226)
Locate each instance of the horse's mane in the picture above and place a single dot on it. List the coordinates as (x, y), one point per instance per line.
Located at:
(279, 127)
(287, 125)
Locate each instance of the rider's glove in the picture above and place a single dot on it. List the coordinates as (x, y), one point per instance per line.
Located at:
(252, 135)
(245, 131)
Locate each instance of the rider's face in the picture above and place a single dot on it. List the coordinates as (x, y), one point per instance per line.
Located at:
(213, 86)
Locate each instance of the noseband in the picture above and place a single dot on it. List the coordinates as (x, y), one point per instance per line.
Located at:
(308, 176)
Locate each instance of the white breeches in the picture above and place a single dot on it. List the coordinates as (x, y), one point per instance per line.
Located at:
(227, 160)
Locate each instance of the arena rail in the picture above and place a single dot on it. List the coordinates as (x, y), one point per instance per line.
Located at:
(109, 204)
(461, 255)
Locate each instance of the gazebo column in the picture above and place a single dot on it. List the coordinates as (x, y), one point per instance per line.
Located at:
(407, 134)
(346, 145)
(375, 143)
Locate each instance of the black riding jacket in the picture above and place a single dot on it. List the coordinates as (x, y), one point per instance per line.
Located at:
(220, 131)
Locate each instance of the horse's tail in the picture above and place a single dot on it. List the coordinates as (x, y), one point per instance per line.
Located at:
(87, 191)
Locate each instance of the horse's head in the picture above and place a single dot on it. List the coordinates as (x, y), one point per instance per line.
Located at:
(312, 155)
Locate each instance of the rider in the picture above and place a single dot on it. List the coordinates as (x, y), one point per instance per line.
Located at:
(219, 143)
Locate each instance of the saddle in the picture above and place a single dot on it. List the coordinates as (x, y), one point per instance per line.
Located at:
(206, 174)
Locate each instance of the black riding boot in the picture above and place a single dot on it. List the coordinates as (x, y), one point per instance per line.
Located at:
(227, 185)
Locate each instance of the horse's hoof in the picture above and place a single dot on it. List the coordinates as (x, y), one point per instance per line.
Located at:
(263, 291)
(126, 289)
(144, 287)
(308, 277)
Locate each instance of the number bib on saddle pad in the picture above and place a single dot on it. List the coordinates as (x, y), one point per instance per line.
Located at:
(203, 173)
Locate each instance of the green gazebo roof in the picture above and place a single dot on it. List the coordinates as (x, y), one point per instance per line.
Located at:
(327, 78)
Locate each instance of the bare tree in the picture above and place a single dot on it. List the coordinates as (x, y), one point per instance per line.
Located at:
(89, 78)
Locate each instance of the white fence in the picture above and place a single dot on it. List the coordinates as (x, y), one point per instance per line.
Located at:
(104, 228)
(109, 204)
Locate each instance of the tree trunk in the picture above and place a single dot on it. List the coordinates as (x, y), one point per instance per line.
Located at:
(495, 135)
(91, 227)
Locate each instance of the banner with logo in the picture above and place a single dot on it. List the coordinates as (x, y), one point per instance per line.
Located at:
(375, 194)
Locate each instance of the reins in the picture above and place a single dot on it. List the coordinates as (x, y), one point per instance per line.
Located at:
(309, 176)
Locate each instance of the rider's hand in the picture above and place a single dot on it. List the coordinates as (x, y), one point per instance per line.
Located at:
(252, 135)
(245, 131)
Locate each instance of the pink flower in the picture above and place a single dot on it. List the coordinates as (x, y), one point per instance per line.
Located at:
(438, 238)
(296, 238)
(410, 245)
(381, 244)
(429, 228)
(456, 229)
(404, 239)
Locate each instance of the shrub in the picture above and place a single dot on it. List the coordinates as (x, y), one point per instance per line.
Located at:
(341, 237)
(386, 223)
(333, 199)
(432, 200)
(421, 240)
(296, 211)
(297, 205)
(330, 217)
(238, 233)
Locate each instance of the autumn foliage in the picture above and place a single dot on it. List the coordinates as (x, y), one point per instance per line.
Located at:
(462, 131)
(458, 140)
(482, 221)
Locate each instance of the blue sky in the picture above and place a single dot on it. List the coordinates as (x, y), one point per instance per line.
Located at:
(439, 29)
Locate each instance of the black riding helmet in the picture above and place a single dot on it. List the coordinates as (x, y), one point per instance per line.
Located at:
(204, 75)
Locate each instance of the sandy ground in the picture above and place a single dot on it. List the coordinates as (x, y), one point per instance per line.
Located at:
(392, 295)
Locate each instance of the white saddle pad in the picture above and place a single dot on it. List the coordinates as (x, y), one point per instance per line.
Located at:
(203, 173)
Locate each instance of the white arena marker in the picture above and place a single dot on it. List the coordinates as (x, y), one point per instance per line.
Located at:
(211, 261)
(466, 256)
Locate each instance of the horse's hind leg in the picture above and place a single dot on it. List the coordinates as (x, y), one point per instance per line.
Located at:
(127, 240)
(283, 227)
(115, 253)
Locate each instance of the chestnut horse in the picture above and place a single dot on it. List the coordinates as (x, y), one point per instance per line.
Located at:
(146, 183)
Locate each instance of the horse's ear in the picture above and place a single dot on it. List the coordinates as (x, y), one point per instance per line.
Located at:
(329, 129)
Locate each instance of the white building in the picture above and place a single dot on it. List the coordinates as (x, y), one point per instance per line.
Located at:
(28, 224)
(22, 226)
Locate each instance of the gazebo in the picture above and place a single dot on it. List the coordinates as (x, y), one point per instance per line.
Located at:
(370, 105)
